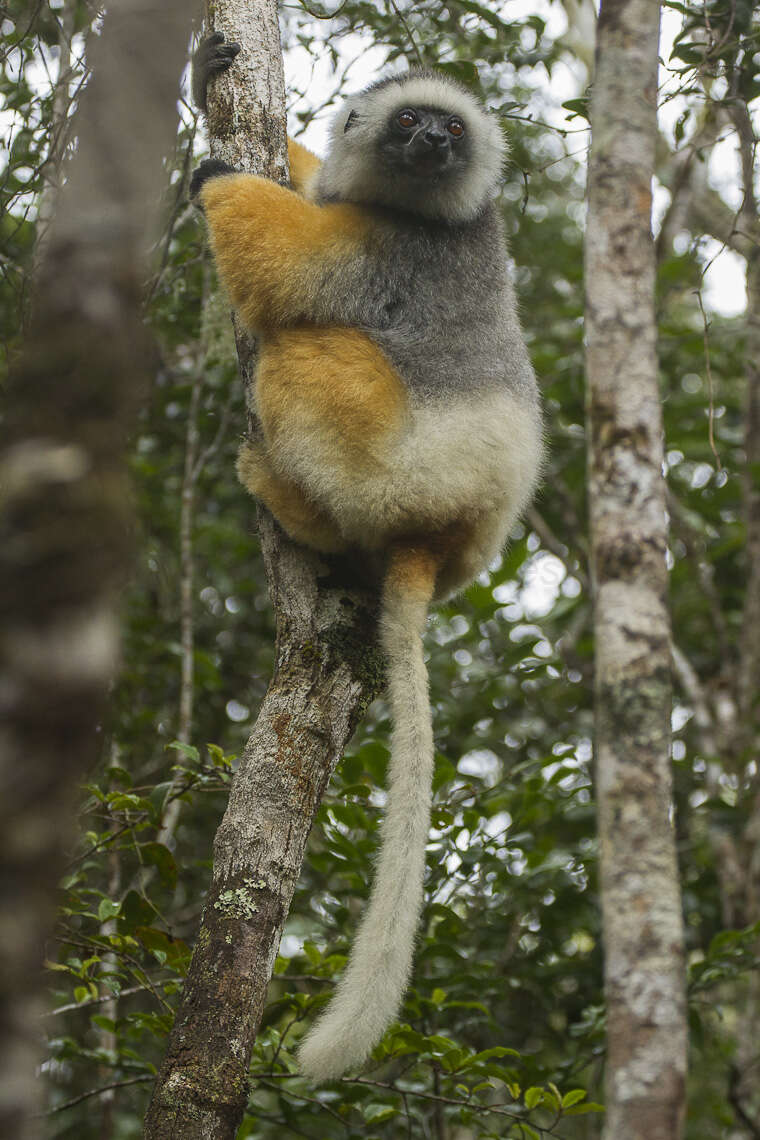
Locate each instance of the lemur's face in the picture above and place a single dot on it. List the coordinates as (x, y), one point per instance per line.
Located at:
(424, 142)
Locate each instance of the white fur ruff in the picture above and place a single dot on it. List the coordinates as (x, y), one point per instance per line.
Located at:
(369, 994)
(347, 174)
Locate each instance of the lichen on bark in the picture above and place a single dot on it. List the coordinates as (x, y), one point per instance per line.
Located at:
(643, 937)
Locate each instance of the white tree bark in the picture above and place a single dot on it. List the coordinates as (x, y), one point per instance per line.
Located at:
(644, 968)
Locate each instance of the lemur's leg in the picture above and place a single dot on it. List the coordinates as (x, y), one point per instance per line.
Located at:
(303, 520)
(329, 392)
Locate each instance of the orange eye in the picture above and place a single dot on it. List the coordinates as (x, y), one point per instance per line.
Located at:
(455, 127)
(406, 119)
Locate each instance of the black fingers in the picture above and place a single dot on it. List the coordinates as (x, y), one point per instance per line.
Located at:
(209, 168)
(213, 55)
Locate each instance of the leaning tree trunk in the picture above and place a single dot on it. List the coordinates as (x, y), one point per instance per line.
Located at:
(643, 939)
(324, 675)
(65, 513)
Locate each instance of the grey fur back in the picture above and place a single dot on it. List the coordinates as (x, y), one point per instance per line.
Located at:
(438, 301)
(457, 330)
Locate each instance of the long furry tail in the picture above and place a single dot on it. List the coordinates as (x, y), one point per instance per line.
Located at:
(368, 996)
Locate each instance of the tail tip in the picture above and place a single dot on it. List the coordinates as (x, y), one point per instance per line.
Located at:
(323, 1058)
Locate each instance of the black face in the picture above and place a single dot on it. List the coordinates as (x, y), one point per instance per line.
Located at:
(423, 142)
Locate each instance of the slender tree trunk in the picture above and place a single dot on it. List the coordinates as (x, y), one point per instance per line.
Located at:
(745, 1097)
(644, 968)
(326, 671)
(65, 512)
(59, 130)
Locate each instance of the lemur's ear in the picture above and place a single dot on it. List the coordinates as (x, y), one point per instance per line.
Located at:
(351, 120)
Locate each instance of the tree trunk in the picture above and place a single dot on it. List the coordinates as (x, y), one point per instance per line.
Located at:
(644, 967)
(745, 1097)
(326, 672)
(65, 514)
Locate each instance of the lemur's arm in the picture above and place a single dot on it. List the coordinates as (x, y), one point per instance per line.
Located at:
(275, 250)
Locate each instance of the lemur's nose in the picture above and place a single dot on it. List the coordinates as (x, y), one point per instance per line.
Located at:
(436, 137)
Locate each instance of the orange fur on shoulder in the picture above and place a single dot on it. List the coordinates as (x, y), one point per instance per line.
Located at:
(264, 237)
(303, 166)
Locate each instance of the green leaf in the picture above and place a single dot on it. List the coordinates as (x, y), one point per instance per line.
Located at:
(573, 1097)
(463, 70)
(107, 909)
(188, 750)
(136, 911)
(312, 952)
(106, 1023)
(578, 108)
(495, 1051)
(125, 801)
(455, 1059)
(164, 949)
(533, 1096)
(375, 1113)
(158, 856)
(220, 758)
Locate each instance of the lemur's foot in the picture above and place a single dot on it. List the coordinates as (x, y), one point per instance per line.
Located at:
(212, 56)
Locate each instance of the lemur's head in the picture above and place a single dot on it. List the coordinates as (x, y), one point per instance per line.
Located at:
(418, 142)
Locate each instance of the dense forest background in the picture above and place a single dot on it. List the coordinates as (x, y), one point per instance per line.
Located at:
(504, 1024)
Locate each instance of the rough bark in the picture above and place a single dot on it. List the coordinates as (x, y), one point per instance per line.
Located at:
(65, 506)
(644, 969)
(326, 671)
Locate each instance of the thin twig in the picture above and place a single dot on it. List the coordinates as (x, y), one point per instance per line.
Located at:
(708, 370)
(70, 1006)
(319, 1103)
(497, 1109)
(402, 20)
(98, 1092)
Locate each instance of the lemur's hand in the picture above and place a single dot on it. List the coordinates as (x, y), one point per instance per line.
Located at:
(209, 168)
(211, 56)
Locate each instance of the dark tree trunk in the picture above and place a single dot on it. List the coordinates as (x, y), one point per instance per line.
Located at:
(65, 515)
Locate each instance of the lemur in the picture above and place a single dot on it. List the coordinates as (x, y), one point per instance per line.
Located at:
(399, 416)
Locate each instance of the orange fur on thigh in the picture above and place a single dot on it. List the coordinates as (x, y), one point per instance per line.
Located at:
(333, 381)
(418, 559)
(301, 518)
